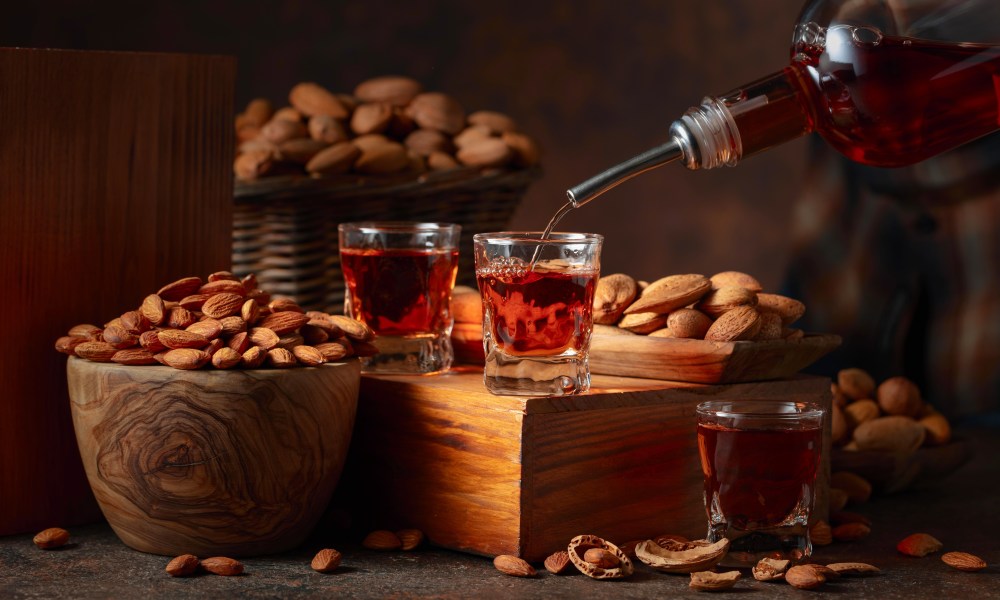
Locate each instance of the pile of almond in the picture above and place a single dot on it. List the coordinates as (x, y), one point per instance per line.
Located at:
(224, 322)
(890, 417)
(725, 307)
(387, 125)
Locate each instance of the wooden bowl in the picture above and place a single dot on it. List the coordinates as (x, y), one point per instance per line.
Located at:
(231, 463)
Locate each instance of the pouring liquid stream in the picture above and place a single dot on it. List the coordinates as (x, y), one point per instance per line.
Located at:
(548, 231)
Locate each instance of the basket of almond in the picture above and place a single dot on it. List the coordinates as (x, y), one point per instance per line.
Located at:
(389, 150)
(887, 433)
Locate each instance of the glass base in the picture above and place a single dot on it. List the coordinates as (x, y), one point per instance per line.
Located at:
(412, 354)
(746, 548)
(561, 375)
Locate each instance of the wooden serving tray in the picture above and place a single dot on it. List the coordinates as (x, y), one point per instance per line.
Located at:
(702, 361)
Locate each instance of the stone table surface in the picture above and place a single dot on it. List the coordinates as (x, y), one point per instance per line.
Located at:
(963, 511)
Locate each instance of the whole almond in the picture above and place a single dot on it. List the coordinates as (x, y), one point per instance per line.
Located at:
(789, 309)
(183, 565)
(153, 309)
(441, 161)
(371, 117)
(937, 428)
(281, 358)
(287, 113)
(249, 311)
(434, 110)
(194, 302)
(176, 338)
(264, 338)
(252, 164)
(514, 566)
(180, 288)
(919, 545)
(688, 323)
(382, 539)
(223, 305)
(670, 293)
(96, 351)
(150, 340)
(821, 534)
(770, 327)
(119, 337)
(326, 129)
(300, 150)
(963, 561)
(524, 149)
(179, 317)
(740, 323)
(471, 134)
(850, 532)
(724, 299)
(427, 141)
(284, 322)
(285, 304)
(901, 435)
(390, 157)
(496, 122)
(308, 355)
(86, 331)
(804, 578)
(735, 278)
(135, 322)
(53, 537)
(254, 357)
(484, 152)
(612, 295)
(240, 342)
(355, 330)
(186, 358)
(226, 358)
(899, 396)
(134, 356)
(410, 539)
(558, 563)
(338, 158)
(223, 286)
(232, 325)
(209, 328)
(221, 565)
(860, 412)
(393, 89)
(333, 351)
(279, 131)
(258, 111)
(326, 560)
(856, 384)
(642, 323)
(313, 99)
(67, 344)
(601, 558)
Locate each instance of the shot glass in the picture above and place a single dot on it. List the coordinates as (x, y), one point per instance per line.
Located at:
(760, 460)
(538, 298)
(399, 278)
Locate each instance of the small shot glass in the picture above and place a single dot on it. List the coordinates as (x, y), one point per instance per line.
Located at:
(399, 277)
(538, 298)
(760, 460)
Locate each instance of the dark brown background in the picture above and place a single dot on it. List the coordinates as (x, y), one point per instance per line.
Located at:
(594, 80)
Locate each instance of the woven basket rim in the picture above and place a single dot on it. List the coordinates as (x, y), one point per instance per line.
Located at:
(356, 186)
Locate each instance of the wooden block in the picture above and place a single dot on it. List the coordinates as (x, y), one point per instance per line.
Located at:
(513, 475)
(115, 178)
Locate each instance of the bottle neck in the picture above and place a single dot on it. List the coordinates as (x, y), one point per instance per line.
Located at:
(726, 129)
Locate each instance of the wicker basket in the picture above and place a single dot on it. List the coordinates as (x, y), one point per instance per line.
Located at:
(285, 228)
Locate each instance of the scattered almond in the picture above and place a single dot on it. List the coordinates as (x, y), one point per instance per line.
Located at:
(326, 561)
(804, 578)
(514, 566)
(221, 565)
(383, 540)
(919, 545)
(182, 566)
(963, 561)
(558, 563)
(53, 537)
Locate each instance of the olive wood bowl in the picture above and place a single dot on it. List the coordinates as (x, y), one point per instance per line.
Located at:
(209, 462)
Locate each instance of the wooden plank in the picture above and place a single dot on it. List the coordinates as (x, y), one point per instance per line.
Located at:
(115, 177)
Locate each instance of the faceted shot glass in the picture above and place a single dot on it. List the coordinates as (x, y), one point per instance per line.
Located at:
(399, 277)
(538, 298)
(760, 460)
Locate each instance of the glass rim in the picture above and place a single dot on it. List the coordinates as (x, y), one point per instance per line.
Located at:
(755, 408)
(398, 226)
(535, 237)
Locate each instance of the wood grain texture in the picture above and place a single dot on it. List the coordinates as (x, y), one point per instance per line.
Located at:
(115, 177)
(211, 462)
(702, 361)
(503, 474)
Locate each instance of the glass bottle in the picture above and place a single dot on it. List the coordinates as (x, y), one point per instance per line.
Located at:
(882, 81)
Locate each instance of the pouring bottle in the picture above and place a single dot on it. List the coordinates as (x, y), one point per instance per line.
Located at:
(882, 81)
